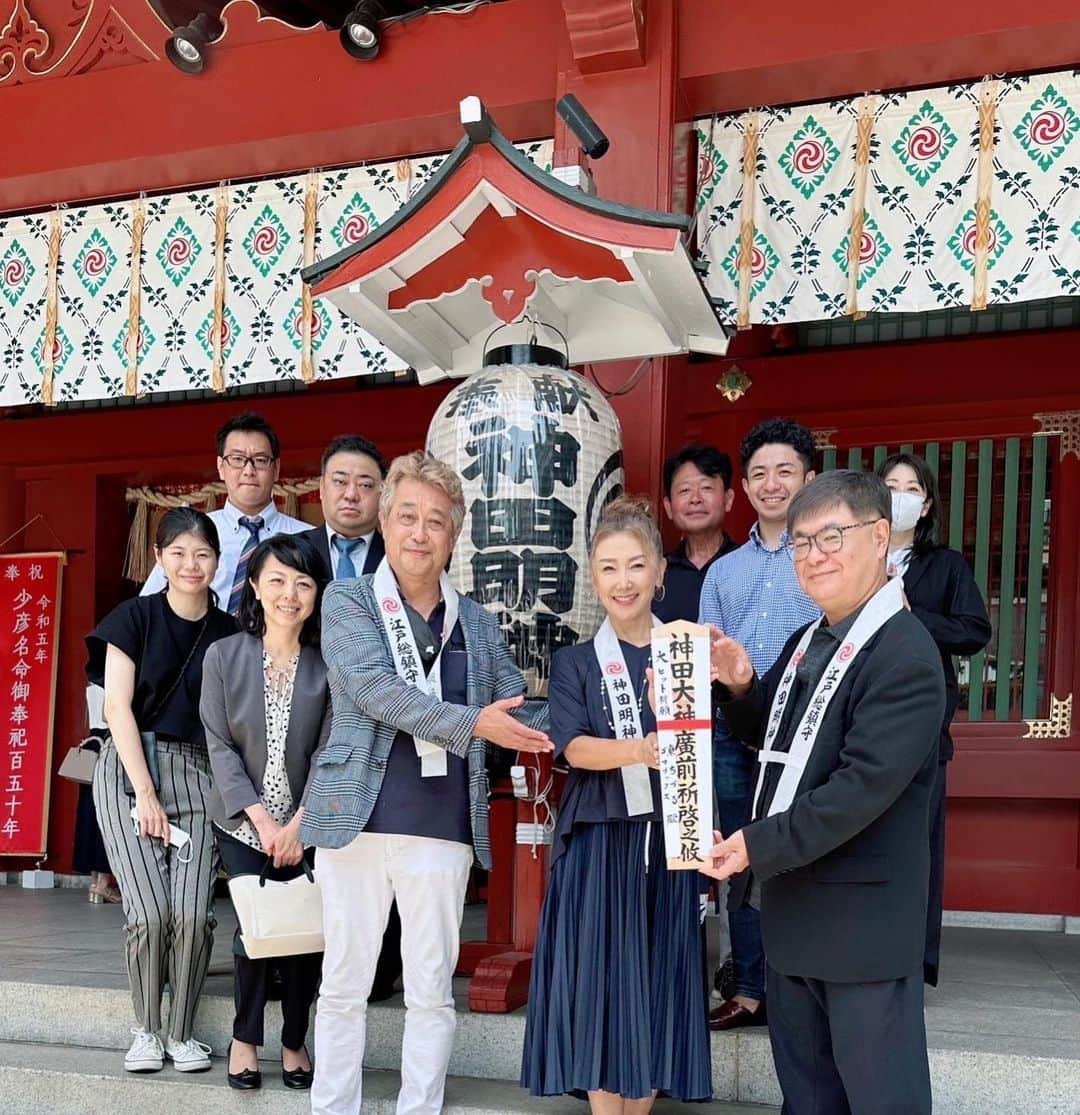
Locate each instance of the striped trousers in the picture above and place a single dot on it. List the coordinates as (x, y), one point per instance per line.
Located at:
(168, 904)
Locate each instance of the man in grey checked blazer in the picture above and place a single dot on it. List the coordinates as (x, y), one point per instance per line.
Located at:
(384, 831)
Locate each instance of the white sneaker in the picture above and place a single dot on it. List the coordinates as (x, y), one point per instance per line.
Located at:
(145, 1054)
(188, 1056)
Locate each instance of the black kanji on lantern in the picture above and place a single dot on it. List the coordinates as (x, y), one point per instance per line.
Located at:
(542, 455)
(558, 394)
(522, 522)
(480, 393)
(521, 581)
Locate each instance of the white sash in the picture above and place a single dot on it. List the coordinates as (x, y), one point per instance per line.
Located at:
(625, 714)
(407, 662)
(879, 609)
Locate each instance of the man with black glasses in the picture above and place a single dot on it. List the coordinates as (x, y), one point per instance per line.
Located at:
(248, 462)
(846, 726)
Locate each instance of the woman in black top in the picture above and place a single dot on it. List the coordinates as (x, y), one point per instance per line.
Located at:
(617, 1009)
(942, 593)
(152, 781)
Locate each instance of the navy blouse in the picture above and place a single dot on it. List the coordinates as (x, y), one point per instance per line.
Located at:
(578, 703)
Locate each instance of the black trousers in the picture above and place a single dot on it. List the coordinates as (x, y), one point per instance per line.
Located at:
(849, 1048)
(935, 898)
(299, 974)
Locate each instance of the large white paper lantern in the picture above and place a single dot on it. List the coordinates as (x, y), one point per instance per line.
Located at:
(539, 452)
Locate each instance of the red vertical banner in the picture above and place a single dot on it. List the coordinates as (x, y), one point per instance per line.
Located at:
(29, 633)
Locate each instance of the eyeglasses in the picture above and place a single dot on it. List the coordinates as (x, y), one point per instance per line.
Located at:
(829, 540)
(260, 461)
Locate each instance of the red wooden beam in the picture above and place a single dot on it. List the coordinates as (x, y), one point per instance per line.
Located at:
(812, 52)
(278, 107)
(1037, 775)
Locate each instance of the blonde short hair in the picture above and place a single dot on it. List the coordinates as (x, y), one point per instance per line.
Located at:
(427, 469)
(629, 515)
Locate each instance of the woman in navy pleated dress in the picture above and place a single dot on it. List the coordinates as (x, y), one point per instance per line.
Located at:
(617, 1007)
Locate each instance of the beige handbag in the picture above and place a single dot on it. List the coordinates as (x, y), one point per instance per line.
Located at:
(79, 762)
(278, 919)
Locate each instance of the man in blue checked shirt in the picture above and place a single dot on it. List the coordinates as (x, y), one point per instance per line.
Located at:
(753, 595)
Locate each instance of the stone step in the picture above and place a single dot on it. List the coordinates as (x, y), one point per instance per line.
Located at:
(1003, 1062)
(486, 1046)
(70, 1080)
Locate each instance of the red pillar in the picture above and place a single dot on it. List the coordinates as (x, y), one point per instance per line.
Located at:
(646, 166)
(625, 76)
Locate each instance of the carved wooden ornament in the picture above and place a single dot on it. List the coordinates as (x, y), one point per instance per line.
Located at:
(491, 239)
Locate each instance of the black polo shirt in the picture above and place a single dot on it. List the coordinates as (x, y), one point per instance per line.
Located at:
(682, 583)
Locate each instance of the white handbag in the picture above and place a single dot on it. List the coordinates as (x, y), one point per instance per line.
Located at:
(278, 919)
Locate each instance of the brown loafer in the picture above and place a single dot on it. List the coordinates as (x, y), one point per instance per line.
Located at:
(731, 1015)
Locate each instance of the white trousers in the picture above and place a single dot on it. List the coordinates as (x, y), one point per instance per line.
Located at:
(358, 883)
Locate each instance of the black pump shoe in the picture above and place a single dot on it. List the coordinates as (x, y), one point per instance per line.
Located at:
(297, 1079)
(247, 1080)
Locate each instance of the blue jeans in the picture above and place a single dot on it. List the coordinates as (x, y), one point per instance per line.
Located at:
(735, 770)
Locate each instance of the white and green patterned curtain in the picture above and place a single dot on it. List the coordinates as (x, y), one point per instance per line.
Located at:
(24, 250)
(262, 308)
(924, 175)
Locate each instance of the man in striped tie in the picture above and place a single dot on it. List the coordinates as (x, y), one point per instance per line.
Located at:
(248, 461)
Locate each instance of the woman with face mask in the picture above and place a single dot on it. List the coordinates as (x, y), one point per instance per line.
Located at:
(942, 593)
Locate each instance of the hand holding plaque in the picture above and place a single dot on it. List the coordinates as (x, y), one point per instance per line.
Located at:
(649, 751)
(727, 857)
(729, 664)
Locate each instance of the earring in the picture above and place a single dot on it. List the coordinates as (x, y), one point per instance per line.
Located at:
(660, 593)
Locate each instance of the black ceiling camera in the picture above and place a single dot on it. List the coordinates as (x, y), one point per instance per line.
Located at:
(593, 141)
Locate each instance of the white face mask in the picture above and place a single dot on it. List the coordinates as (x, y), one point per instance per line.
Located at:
(906, 510)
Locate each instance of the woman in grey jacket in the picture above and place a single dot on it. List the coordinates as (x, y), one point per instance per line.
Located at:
(265, 707)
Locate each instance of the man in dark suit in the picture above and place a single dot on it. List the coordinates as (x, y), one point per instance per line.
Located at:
(350, 484)
(349, 487)
(847, 723)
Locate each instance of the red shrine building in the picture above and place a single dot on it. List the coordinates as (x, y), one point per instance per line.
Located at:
(892, 238)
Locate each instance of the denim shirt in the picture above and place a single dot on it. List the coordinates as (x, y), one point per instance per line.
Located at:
(753, 595)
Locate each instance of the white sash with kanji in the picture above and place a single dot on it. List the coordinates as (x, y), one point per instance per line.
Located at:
(625, 714)
(399, 634)
(879, 609)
